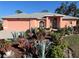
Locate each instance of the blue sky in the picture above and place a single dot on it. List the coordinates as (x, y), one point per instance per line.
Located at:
(9, 7)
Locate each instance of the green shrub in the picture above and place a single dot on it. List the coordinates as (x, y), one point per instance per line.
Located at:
(2, 43)
(26, 34)
(57, 52)
(56, 37)
(66, 30)
(47, 28)
(9, 40)
(57, 48)
(76, 29)
(5, 42)
(1, 27)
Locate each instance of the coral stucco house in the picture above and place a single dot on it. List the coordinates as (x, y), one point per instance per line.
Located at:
(22, 22)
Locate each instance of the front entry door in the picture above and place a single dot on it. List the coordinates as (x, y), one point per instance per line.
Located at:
(54, 23)
(41, 24)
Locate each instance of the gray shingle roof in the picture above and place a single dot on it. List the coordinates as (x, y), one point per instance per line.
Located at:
(22, 15)
(69, 17)
(33, 15)
(38, 15)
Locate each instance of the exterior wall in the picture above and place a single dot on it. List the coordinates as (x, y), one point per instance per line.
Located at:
(58, 22)
(61, 23)
(48, 22)
(34, 23)
(22, 24)
(19, 24)
(66, 22)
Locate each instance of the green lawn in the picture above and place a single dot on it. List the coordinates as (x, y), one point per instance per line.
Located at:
(73, 41)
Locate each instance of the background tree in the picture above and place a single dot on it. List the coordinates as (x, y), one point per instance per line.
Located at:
(63, 8)
(68, 8)
(18, 11)
(72, 8)
(44, 11)
(77, 12)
